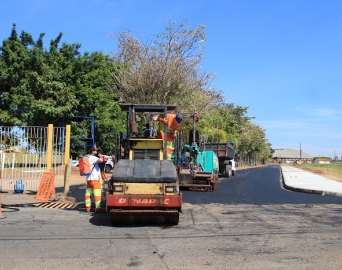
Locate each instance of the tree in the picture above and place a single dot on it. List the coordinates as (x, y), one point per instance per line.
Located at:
(40, 87)
(253, 144)
(165, 71)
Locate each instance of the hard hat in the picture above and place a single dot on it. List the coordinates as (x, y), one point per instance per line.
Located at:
(179, 118)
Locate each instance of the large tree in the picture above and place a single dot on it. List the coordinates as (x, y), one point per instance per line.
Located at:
(165, 70)
(50, 86)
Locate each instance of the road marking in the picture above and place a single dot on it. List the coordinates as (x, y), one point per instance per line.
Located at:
(55, 205)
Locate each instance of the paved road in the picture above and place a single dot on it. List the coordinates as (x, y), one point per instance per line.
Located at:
(268, 228)
(257, 186)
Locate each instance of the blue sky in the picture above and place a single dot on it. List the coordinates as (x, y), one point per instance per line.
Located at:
(281, 58)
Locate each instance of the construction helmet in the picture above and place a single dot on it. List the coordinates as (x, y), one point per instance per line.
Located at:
(179, 118)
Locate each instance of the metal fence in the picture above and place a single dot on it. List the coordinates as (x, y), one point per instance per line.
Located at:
(23, 155)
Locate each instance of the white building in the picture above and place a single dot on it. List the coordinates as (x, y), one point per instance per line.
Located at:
(290, 155)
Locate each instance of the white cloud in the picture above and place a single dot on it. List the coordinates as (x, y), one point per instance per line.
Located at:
(322, 112)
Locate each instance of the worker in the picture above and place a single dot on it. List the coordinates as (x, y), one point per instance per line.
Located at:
(173, 122)
(194, 135)
(148, 131)
(191, 136)
(94, 185)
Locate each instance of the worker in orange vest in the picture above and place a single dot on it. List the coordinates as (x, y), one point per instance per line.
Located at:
(173, 122)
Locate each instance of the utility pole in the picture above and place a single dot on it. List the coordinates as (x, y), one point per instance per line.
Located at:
(300, 151)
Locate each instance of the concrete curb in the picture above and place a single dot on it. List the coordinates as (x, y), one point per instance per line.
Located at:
(316, 191)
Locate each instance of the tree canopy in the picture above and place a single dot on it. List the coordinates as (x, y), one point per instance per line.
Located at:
(165, 70)
(41, 86)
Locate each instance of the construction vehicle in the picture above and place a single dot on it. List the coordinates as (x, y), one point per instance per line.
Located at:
(197, 168)
(144, 186)
(225, 153)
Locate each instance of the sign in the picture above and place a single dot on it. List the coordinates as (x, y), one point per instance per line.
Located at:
(46, 188)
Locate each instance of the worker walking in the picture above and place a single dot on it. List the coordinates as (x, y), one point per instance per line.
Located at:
(173, 122)
(94, 184)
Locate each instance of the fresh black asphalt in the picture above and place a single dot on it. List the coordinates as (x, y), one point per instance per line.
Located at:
(257, 186)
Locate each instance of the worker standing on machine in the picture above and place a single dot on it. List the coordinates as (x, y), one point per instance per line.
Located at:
(173, 122)
(194, 135)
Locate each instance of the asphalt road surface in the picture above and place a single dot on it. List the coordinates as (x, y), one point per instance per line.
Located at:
(250, 222)
(256, 186)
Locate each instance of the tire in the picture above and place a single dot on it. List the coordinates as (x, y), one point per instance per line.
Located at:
(222, 170)
(226, 162)
(108, 168)
(228, 171)
(233, 172)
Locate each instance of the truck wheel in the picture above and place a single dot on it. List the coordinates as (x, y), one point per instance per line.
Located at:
(108, 168)
(222, 170)
(228, 171)
(233, 172)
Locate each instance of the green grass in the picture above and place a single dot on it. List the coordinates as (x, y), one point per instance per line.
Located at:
(329, 168)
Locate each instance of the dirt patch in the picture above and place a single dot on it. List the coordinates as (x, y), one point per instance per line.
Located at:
(75, 170)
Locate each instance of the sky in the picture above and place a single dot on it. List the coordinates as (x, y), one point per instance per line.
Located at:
(280, 58)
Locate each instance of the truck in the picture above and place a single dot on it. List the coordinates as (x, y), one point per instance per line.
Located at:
(109, 165)
(144, 186)
(226, 154)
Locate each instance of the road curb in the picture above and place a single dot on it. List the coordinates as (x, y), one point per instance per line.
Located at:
(310, 191)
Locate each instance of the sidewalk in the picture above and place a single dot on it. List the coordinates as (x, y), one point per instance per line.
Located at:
(303, 181)
(11, 198)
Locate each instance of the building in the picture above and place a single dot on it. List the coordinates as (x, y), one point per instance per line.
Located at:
(290, 155)
(322, 160)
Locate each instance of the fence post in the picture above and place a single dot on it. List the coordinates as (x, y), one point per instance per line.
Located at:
(67, 161)
(49, 148)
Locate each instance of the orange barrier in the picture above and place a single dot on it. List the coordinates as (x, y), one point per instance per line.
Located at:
(84, 166)
(46, 188)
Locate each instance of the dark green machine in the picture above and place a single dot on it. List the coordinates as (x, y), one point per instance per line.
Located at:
(197, 168)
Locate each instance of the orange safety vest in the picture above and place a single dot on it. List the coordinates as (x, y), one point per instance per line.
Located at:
(169, 143)
(170, 120)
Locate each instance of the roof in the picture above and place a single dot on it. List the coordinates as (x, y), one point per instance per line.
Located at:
(147, 107)
(289, 153)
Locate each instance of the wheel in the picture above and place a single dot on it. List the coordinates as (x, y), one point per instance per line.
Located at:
(108, 168)
(233, 172)
(222, 170)
(228, 171)
(214, 184)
